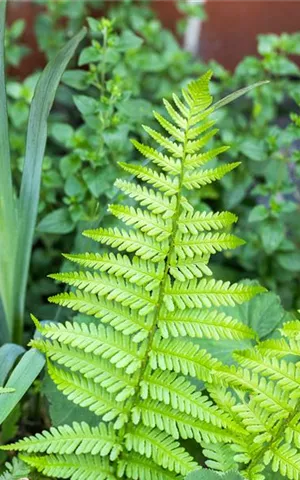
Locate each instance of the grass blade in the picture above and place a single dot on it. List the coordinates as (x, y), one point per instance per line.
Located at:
(8, 355)
(233, 96)
(7, 206)
(20, 380)
(31, 178)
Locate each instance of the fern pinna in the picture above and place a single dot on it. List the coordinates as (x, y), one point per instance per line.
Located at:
(151, 293)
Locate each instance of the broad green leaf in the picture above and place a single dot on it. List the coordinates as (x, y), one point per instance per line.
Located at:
(263, 313)
(253, 149)
(272, 234)
(62, 133)
(76, 79)
(289, 261)
(258, 213)
(267, 43)
(128, 41)
(86, 105)
(21, 379)
(57, 222)
(89, 55)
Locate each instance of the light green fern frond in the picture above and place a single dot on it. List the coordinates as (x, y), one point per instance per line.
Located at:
(148, 295)
(219, 456)
(77, 467)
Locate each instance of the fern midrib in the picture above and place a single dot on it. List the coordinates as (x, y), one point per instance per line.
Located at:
(137, 395)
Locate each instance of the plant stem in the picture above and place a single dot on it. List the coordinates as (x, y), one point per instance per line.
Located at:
(136, 398)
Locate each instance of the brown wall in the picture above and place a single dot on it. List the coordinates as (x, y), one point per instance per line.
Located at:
(232, 27)
(227, 36)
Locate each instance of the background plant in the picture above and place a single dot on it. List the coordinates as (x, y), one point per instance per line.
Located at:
(17, 217)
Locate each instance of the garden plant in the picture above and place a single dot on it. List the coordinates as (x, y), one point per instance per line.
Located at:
(165, 355)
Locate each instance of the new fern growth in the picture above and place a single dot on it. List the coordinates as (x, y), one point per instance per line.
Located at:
(149, 295)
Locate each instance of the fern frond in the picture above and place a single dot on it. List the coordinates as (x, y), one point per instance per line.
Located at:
(195, 222)
(285, 460)
(156, 202)
(187, 245)
(15, 470)
(266, 392)
(147, 295)
(78, 438)
(207, 293)
(178, 424)
(174, 115)
(203, 127)
(121, 318)
(286, 374)
(188, 268)
(203, 323)
(198, 179)
(174, 390)
(174, 148)
(292, 432)
(193, 146)
(197, 94)
(175, 132)
(279, 347)
(100, 340)
(199, 159)
(166, 184)
(74, 467)
(168, 164)
(136, 466)
(291, 329)
(182, 357)
(101, 371)
(113, 288)
(256, 420)
(130, 241)
(159, 446)
(134, 270)
(219, 456)
(183, 109)
(148, 223)
(88, 394)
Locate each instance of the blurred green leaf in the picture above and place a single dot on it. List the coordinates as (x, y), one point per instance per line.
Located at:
(272, 234)
(258, 213)
(57, 222)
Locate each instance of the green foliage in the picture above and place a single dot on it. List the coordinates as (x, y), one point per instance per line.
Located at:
(14, 49)
(266, 196)
(15, 470)
(133, 373)
(19, 215)
(210, 475)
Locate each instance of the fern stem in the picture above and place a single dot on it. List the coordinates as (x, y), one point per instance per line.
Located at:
(136, 397)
